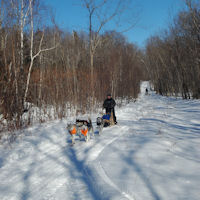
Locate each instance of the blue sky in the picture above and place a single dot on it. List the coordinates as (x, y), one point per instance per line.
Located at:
(152, 17)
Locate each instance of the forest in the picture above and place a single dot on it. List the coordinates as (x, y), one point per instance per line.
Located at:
(173, 57)
(58, 72)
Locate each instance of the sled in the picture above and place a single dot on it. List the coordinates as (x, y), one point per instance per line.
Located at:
(105, 121)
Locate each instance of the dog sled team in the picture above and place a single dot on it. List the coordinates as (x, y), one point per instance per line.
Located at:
(84, 128)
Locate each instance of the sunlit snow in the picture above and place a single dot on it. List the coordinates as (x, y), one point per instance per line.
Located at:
(152, 154)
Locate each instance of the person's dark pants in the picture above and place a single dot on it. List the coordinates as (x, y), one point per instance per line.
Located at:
(109, 110)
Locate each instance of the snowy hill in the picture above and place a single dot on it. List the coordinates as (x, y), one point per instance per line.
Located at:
(153, 154)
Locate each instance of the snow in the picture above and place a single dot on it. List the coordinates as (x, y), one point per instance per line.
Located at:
(153, 153)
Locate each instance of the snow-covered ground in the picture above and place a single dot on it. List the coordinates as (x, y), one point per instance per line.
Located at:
(152, 154)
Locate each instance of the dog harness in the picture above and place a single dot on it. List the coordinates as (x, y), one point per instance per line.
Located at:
(73, 131)
(84, 131)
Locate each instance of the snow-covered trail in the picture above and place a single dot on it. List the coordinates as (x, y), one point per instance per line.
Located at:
(152, 154)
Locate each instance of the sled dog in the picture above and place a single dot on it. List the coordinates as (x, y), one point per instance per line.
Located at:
(81, 128)
(100, 124)
(87, 123)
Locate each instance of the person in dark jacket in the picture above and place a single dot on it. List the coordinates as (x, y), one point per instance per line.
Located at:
(146, 91)
(109, 105)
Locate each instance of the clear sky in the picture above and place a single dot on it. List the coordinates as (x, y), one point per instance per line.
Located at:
(152, 16)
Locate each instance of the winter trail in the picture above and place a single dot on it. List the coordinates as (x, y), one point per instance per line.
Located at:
(153, 153)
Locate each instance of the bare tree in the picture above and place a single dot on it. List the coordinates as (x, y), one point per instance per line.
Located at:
(101, 13)
(40, 50)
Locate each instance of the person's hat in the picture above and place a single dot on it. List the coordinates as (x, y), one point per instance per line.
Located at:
(108, 95)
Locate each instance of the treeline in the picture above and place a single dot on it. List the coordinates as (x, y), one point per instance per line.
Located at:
(48, 68)
(173, 58)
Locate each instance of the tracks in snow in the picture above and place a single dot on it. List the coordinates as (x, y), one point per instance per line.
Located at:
(99, 175)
